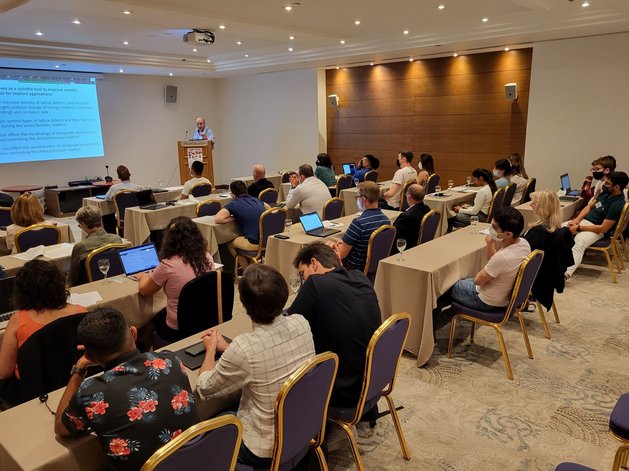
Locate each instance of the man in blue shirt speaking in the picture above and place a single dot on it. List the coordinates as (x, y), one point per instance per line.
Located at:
(203, 133)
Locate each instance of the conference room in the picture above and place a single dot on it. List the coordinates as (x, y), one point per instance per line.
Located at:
(439, 89)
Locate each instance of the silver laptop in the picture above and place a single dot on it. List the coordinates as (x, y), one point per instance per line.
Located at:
(565, 185)
(313, 225)
(138, 259)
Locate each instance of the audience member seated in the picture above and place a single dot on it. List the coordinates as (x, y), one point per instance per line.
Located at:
(196, 172)
(26, 211)
(599, 217)
(506, 250)
(601, 168)
(260, 181)
(246, 211)
(324, 170)
(482, 201)
(183, 256)
(141, 402)
(40, 297)
(408, 223)
(519, 177)
(367, 164)
(125, 183)
(307, 192)
(352, 248)
(406, 173)
(90, 221)
(502, 173)
(258, 363)
(6, 201)
(342, 309)
(426, 168)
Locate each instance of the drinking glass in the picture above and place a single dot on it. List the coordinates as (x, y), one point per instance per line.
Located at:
(288, 224)
(438, 189)
(401, 245)
(473, 222)
(103, 266)
(450, 184)
(356, 181)
(295, 283)
(468, 180)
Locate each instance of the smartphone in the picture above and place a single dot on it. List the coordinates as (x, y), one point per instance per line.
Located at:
(195, 349)
(281, 236)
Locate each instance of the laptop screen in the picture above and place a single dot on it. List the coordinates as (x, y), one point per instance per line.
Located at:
(565, 182)
(138, 259)
(311, 221)
(145, 197)
(349, 169)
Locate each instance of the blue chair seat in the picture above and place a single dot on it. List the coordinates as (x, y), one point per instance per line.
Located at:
(573, 467)
(619, 418)
(604, 242)
(348, 413)
(248, 253)
(286, 466)
(495, 315)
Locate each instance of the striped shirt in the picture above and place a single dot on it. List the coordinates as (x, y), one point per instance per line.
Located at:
(358, 234)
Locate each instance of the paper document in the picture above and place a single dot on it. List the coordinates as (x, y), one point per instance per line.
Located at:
(59, 251)
(31, 254)
(187, 202)
(204, 219)
(332, 224)
(85, 299)
(484, 231)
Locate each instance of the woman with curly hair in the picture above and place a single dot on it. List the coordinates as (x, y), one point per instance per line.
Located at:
(183, 256)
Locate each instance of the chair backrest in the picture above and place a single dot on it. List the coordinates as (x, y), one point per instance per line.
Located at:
(621, 225)
(5, 216)
(429, 226)
(371, 176)
(285, 177)
(496, 202)
(509, 193)
(432, 183)
(37, 234)
(216, 439)
(201, 189)
(109, 252)
(208, 208)
(45, 359)
(382, 358)
(528, 189)
(333, 208)
(268, 196)
(403, 199)
(380, 243)
(204, 302)
(122, 200)
(298, 427)
(343, 183)
(271, 222)
(524, 282)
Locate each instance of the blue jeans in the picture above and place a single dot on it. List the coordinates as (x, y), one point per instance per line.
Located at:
(464, 292)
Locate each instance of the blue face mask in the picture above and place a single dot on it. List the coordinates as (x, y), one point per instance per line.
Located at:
(496, 173)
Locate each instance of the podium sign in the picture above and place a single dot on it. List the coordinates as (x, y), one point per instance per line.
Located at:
(188, 152)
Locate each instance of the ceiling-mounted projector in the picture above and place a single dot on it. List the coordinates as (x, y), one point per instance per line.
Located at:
(199, 37)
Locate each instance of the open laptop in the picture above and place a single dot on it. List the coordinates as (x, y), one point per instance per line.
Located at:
(312, 224)
(138, 259)
(349, 169)
(565, 185)
(6, 299)
(146, 200)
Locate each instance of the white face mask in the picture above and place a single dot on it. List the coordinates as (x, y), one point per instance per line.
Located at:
(496, 173)
(494, 234)
(359, 203)
(419, 165)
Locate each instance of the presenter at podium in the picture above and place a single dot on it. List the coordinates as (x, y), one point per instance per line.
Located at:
(203, 133)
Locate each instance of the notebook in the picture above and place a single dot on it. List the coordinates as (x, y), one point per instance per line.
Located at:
(312, 224)
(146, 200)
(349, 169)
(565, 185)
(138, 259)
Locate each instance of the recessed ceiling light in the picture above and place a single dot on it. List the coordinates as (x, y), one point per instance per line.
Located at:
(485, 20)
(288, 8)
(410, 59)
(290, 49)
(194, 50)
(337, 67)
(441, 6)
(342, 41)
(356, 22)
(221, 26)
(507, 49)
(246, 55)
(76, 21)
(239, 43)
(208, 61)
(121, 71)
(585, 4)
(57, 66)
(126, 43)
(39, 33)
(456, 54)
(405, 31)
(371, 64)
(291, 37)
(126, 12)
(170, 73)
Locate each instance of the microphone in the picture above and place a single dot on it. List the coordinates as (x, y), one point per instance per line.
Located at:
(108, 179)
(186, 138)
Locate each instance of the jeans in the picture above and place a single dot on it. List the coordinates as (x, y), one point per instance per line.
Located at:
(246, 456)
(464, 292)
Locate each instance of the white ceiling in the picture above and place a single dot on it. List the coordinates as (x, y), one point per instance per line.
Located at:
(155, 28)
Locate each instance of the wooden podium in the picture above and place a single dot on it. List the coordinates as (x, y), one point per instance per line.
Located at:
(192, 150)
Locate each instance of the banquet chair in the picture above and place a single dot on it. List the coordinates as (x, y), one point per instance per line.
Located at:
(5, 216)
(498, 317)
(208, 208)
(528, 189)
(109, 252)
(333, 208)
(343, 183)
(122, 200)
(201, 189)
(619, 428)
(382, 360)
(286, 177)
(613, 244)
(299, 428)
(429, 226)
(509, 193)
(403, 198)
(371, 176)
(569, 466)
(496, 202)
(37, 234)
(268, 196)
(271, 222)
(216, 439)
(379, 247)
(432, 183)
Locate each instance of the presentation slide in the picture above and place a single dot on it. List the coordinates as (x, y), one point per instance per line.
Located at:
(44, 116)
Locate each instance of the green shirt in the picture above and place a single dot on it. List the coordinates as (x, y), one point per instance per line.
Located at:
(82, 249)
(326, 175)
(606, 207)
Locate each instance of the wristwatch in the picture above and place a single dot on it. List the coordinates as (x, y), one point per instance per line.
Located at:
(75, 369)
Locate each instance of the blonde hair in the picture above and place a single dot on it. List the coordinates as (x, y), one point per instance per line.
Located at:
(27, 211)
(547, 210)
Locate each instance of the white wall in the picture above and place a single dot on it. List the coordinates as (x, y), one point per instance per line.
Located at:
(140, 130)
(268, 118)
(578, 107)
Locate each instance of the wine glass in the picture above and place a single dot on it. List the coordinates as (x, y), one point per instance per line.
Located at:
(288, 224)
(450, 184)
(401, 245)
(295, 283)
(103, 266)
(473, 222)
(468, 180)
(437, 189)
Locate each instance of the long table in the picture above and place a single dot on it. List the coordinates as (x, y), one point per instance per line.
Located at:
(66, 236)
(59, 253)
(568, 208)
(349, 197)
(428, 271)
(275, 179)
(217, 234)
(108, 207)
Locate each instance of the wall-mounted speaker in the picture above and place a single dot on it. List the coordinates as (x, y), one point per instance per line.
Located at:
(511, 91)
(333, 100)
(170, 93)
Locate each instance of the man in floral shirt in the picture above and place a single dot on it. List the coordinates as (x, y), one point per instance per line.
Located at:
(141, 402)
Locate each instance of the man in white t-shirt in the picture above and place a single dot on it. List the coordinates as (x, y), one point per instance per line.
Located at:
(506, 251)
(406, 173)
(196, 171)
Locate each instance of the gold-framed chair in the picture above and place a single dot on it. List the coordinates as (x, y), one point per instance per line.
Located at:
(109, 252)
(208, 208)
(333, 208)
(382, 361)
(510, 190)
(124, 199)
(201, 189)
(269, 196)
(5, 216)
(371, 176)
(528, 189)
(216, 439)
(432, 182)
(613, 244)
(403, 199)
(428, 227)
(496, 202)
(271, 222)
(37, 234)
(379, 247)
(343, 183)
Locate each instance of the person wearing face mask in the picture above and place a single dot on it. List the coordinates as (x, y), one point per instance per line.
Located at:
(426, 168)
(601, 168)
(406, 173)
(196, 172)
(90, 220)
(502, 172)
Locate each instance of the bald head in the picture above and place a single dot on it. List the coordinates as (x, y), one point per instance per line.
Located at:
(258, 172)
(415, 194)
(200, 123)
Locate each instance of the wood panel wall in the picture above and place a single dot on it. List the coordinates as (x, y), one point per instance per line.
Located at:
(452, 108)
